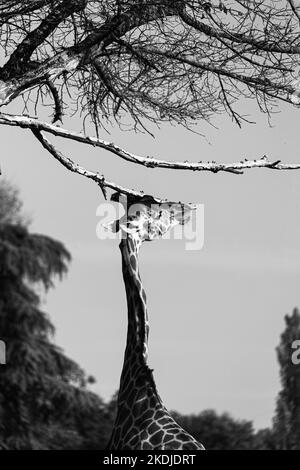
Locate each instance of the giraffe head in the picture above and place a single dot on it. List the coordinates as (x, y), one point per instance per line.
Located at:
(147, 219)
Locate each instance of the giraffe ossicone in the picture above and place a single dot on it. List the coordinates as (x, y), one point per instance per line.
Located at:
(142, 421)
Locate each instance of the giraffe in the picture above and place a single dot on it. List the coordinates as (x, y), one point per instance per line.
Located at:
(142, 421)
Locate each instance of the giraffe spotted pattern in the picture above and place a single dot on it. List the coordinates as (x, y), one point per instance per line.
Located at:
(143, 423)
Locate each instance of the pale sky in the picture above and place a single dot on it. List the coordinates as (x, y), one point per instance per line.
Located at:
(216, 314)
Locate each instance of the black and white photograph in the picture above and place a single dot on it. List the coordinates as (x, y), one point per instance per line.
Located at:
(149, 229)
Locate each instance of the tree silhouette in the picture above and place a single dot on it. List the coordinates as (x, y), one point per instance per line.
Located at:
(44, 401)
(287, 418)
(219, 432)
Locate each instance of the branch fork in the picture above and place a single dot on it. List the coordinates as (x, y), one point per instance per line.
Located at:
(39, 128)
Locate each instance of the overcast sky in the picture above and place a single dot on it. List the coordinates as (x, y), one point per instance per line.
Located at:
(216, 314)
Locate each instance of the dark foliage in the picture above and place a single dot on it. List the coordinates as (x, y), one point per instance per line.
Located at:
(44, 401)
(287, 418)
(218, 432)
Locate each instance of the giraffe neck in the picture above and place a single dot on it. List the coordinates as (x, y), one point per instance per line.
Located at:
(136, 353)
(137, 392)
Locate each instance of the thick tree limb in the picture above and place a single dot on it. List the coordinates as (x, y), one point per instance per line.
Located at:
(19, 59)
(66, 61)
(71, 58)
(148, 162)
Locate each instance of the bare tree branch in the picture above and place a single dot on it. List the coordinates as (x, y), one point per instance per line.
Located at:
(148, 162)
(266, 85)
(19, 59)
(253, 44)
(263, 45)
(73, 57)
(99, 179)
(294, 8)
(58, 107)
